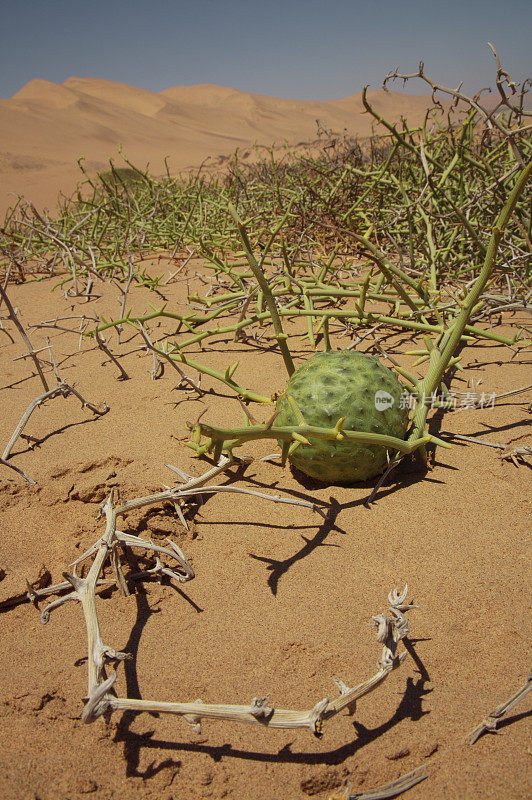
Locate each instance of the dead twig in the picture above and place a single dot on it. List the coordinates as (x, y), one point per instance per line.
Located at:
(510, 452)
(17, 469)
(158, 352)
(492, 720)
(32, 353)
(61, 388)
(391, 466)
(517, 454)
(392, 789)
(123, 299)
(102, 344)
(391, 628)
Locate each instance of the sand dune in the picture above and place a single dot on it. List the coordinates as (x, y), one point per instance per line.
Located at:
(46, 127)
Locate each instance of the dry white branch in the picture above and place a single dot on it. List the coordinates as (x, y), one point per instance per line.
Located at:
(510, 452)
(102, 344)
(158, 352)
(123, 299)
(16, 469)
(391, 628)
(195, 487)
(183, 265)
(517, 454)
(390, 631)
(492, 720)
(61, 388)
(276, 498)
(14, 318)
(85, 592)
(392, 789)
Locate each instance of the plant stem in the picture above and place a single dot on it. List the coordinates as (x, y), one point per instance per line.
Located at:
(265, 288)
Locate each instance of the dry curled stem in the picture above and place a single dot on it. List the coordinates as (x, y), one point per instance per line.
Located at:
(391, 628)
(102, 344)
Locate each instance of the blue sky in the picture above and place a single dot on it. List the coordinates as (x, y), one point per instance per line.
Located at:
(306, 49)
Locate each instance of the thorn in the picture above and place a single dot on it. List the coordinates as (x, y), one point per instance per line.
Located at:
(194, 719)
(78, 583)
(272, 419)
(247, 412)
(299, 438)
(338, 429)
(292, 448)
(396, 599)
(230, 371)
(342, 688)
(217, 450)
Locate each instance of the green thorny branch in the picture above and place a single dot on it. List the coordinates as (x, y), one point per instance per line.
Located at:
(441, 358)
(442, 354)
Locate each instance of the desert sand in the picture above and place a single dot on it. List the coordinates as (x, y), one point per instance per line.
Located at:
(46, 127)
(283, 600)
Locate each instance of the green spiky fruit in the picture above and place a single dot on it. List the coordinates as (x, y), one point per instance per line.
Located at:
(345, 384)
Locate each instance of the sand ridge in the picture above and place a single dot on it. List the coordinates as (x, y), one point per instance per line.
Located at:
(45, 127)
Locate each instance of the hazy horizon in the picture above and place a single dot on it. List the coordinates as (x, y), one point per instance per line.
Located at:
(294, 49)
